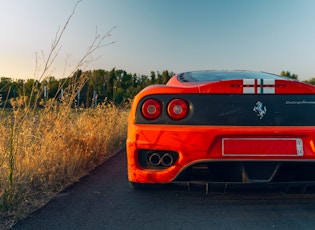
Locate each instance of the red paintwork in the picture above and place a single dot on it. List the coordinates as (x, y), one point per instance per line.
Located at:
(204, 143)
(236, 86)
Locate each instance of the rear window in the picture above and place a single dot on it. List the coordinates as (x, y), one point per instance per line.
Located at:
(208, 76)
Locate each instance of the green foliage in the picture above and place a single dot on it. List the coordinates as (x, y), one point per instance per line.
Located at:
(100, 85)
(288, 74)
(310, 81)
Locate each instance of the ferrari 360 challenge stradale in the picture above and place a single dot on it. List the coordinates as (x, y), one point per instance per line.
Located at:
(223, 126)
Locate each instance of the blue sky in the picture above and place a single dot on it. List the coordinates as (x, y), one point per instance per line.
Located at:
(157, 35)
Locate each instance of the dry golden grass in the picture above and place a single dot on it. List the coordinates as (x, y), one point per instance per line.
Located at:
(44, 151)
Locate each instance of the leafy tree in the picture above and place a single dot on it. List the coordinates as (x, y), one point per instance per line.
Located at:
(288, 74)
(5, 90)
(31, 89)
(110, 84)
(115, 85)
(310, 81)
(5, 85)
(52, 86)
(153, 77)
(166, 76)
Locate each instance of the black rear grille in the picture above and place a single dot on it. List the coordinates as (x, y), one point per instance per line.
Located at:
(250, 172)
(182, 78)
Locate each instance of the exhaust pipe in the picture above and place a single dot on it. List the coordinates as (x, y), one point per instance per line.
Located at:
(155, 159)
(167, 160)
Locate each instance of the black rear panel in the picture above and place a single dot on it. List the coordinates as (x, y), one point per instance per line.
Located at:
(239, 110)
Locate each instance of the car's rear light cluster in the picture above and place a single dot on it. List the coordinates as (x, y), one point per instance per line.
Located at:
(177, 109)
(151, 109)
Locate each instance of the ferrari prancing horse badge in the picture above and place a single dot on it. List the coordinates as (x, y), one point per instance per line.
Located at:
(260, 109)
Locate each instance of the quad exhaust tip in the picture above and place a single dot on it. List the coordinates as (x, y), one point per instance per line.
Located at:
(155, 159)
(167, 160)
(161, 159)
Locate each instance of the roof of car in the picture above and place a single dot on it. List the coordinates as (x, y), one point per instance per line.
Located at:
(211, 75)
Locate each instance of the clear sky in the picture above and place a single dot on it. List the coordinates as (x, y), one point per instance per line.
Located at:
(157, 35)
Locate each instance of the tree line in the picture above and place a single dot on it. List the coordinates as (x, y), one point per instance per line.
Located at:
(96, 86)
(296, 77)
(90, 87)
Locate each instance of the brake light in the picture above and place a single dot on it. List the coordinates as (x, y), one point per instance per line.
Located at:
(177, 109)
(151, 109)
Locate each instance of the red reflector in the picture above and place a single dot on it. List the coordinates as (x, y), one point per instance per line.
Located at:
(177, 109)
(151, 109)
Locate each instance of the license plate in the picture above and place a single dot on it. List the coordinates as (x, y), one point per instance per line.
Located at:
(262, 147)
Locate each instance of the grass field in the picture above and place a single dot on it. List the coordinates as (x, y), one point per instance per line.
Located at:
(44, 151)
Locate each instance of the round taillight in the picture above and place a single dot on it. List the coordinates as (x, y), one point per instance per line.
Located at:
(177, 109)
(151, 109)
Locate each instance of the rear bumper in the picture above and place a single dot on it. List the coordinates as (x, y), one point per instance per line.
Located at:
(202, 145)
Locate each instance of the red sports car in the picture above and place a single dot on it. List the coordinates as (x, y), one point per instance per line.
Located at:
(223, 126)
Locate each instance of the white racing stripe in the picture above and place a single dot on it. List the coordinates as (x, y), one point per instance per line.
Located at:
(259, 86)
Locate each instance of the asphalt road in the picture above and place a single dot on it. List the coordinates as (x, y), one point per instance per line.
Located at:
(104, 200)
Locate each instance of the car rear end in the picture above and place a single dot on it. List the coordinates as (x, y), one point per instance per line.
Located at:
(236, 130)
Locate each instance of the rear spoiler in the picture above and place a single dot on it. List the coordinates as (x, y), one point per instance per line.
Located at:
(257, 86)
